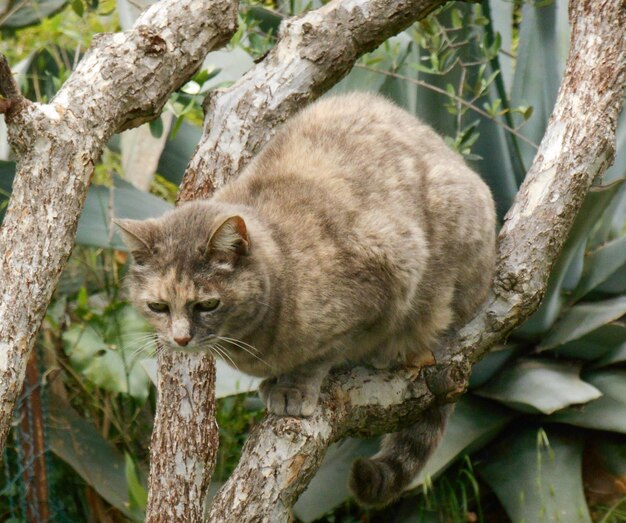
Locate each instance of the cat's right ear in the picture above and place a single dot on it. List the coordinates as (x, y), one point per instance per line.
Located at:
(138, 237)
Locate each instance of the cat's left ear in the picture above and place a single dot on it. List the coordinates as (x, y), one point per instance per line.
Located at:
(138, 235)
(231, 237)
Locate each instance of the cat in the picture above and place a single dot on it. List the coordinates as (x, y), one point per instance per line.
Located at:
(355, 235)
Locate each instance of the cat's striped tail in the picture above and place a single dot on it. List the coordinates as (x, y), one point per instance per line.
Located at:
(379, 480)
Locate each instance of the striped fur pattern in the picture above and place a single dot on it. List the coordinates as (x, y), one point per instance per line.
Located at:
(356, 235)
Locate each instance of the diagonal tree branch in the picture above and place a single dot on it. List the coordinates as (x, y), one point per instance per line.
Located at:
(282, 454)
(315, 51)
(123, 80)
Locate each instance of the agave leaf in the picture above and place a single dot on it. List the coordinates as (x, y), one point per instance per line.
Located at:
(597, 346)
(583, 319)
(81, 446)
(569, 266)
(533, 385)
(7, 173)
(103, 204)
(616, 284)
(543, 46)
(616, 355)
(141, 150)
(490, 365)
(501, 16)
(329, 487)
(31, 12)
(537, 475)
(177, 152)
(600, 265)
(605, 413)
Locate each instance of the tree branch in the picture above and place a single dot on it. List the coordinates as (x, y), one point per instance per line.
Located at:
(315, 51)
(282, 454)
(123, 80)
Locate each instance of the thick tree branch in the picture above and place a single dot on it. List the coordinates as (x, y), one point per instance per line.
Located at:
(123, 80)
(315, 51)
(282, 454)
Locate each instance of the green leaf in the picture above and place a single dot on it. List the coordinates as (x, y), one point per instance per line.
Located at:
(597, 346)
(600, 264)
(543, 47)
(583, 319)
(136, 491)
(78, 7)
(7, 173)
(617, 354)
(568, 268)
(178, 150)
(156, 127)
(490, 365)
(533, 385)
(32, 12)
(605, 413)
(99, 463)
(108, 356)
(123, 200)
(537, 476)
(329, 487)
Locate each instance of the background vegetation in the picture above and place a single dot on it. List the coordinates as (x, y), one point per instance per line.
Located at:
(540, 436)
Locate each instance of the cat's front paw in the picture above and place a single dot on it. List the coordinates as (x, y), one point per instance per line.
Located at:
(287, 400)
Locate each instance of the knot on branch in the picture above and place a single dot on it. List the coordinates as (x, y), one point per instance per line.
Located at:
(151, 42)
(448, 381)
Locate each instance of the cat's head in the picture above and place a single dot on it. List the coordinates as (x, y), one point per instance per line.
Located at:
(195, 275)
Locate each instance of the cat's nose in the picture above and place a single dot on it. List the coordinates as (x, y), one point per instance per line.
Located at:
(183, 340)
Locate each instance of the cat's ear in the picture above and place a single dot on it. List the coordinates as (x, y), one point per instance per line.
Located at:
(230, 238)
(138, 235)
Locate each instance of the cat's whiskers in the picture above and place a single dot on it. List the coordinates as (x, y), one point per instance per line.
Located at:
(224, 354)
(235, 340)
(238, 343)
(149, 344)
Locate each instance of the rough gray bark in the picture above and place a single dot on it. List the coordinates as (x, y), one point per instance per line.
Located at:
(123, 80)
(282, 454)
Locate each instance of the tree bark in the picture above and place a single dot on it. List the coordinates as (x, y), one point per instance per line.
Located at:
(123, 80)
(282, 454)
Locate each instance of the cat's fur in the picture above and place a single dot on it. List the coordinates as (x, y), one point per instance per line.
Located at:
(355, 235)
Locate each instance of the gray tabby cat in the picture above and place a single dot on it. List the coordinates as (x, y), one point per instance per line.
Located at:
(356, 235)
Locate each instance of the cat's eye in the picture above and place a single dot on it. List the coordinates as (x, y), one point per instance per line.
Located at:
(156, 306)
(207, 305)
